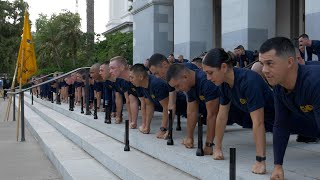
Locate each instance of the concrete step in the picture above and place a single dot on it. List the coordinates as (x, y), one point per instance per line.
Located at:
(204, 167)
(108, 151)
(71, 161)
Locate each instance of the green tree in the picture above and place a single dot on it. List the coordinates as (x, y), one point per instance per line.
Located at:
(117, 44)
(11, 23)
(57, 41)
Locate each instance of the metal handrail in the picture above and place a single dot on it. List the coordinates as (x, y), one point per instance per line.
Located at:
(41, 78)
(48, 81)
(251, 64)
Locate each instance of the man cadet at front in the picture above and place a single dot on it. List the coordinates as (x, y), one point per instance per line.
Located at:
(296, 92)
(203, 97)
(156, 96)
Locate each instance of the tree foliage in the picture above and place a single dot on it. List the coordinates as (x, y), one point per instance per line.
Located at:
(11, 23)
(60, 45)
(117, 44)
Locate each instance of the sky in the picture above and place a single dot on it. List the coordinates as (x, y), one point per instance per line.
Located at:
(49, 7)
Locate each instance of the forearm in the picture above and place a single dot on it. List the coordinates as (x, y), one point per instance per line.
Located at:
(164, 117)
(143, 110)
(118, 104)
(149, 113)
(221, 124)
(260, 138)
(211, 124)
(280, 142)
(98, 95)
(126, 95)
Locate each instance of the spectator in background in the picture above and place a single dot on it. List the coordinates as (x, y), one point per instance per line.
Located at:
(171, 59)
(312, 46)
(181, 59)
(243, 57)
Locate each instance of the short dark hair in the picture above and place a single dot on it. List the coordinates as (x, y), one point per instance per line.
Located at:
(175, 71)
(139, 69)
(156, 59)
(171, 55)
(197, 60)
(215, 57)
(304, 36)
(282, 45)
(106, 62)
(239, 47)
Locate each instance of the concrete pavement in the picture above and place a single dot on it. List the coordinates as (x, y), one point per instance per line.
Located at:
(22, 160)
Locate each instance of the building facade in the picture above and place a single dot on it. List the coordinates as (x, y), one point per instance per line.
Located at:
(120, 18)
(189, 27)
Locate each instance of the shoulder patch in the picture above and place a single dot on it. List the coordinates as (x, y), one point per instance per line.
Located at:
(243, 101)
(306, 108)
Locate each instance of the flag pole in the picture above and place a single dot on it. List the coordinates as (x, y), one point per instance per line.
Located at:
(11, 96)
(20, 87)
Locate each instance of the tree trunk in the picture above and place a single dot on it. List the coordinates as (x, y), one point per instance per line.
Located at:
(90, 20)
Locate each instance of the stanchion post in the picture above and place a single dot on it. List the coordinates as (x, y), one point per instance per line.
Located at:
(22, 117)
(31, 97)
(81, 104)
(126, 138)
(87, 86)
(200, 133)
(170, 140)
(14, 106)
(232, 175)
(107, 118)
(58, 99)
(95, 113)
(52, 97)
(178, 128)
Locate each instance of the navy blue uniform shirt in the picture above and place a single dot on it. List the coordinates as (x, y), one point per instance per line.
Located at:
(203, 91)
(312, 62)
(315, 45)
(121, 86)
(157, 90)
(98, 86)
(297, 111)
(249, 93)
(246, 57)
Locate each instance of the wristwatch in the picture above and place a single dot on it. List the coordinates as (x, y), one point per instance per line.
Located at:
(163, 129)
(260, 159)
(209, 144)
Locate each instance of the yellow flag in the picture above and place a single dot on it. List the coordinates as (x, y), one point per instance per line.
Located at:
(26, 58)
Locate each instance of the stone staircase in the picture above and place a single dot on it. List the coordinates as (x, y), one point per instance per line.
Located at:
(85, 148)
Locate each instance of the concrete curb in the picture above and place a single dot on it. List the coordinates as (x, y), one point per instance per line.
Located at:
(71, 162)
(108, 151)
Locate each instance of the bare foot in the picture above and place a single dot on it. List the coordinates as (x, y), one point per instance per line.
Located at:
(162, 134)
(133, 125)
(187, 142)
(113, 114)
(277, 173)
(118, 120)
(259, 167)
(141, 128)
(208, 150)
(218, 154)
(145, 131)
